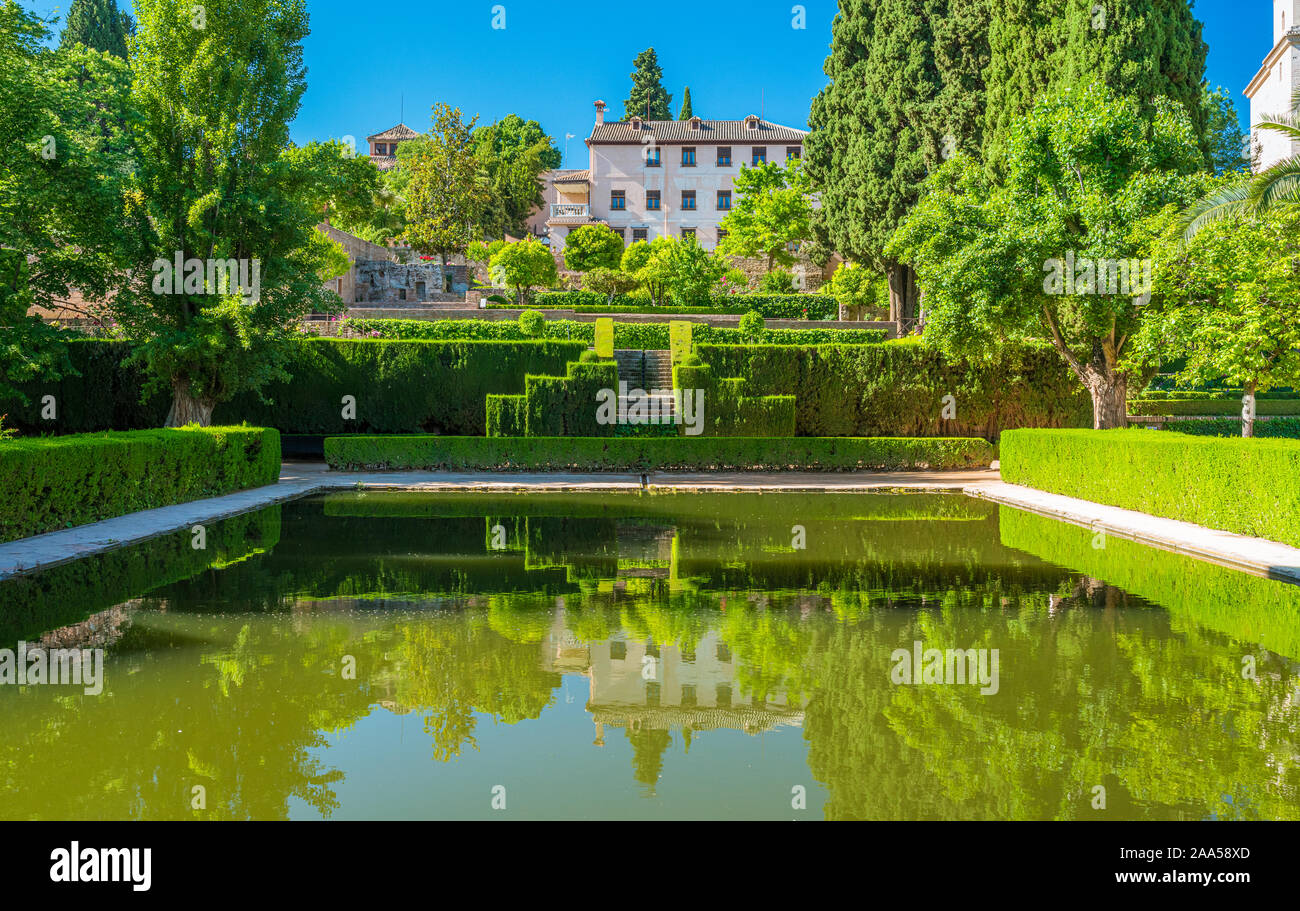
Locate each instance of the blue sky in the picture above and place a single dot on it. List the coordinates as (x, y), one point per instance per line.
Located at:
(367, 63)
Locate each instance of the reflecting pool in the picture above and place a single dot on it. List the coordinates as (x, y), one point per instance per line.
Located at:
(392, 655)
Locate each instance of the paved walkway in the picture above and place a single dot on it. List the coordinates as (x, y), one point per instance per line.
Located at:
(1254, 555)
(300, 478)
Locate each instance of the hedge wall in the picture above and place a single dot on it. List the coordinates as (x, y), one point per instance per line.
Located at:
(641, 336)
(730, 412)
(652, 453)
(1211, 406)
(505, 415)
(556, 406)
(1244, 486)
(47, 483)
(899, 389)
(399, 387)
(1285, 428)
(770, 306)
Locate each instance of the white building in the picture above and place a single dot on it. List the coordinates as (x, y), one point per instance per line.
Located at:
(1271, 90)
(652, 178)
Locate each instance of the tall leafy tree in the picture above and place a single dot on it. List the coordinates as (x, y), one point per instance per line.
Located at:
(1055, 251)
(687, 113)
(97, 24)
(773, 210)
(1024, 43)
(648, 98)
(1229, 149)
(867, 152)
(63, 186)
(512, 155)
(219, 181)
(445, 193)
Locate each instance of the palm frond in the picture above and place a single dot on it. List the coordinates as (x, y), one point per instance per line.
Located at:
(1279, 185)
(1229, 202)
(1286, 124)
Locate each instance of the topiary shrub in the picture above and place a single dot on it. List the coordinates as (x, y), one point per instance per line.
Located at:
(752, 326)
(532, 324)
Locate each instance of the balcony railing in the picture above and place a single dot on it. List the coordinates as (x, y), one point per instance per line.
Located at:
(570, 210)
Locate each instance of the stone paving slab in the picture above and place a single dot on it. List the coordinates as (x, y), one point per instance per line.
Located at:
(1253, 555)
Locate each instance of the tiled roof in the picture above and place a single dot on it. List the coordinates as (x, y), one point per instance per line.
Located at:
(675, 131)
(399, 132)
(582, 176)
(384, 162)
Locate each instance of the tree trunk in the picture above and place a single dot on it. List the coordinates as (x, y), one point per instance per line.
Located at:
(1109, 393)
(186, 409)
(1248, 412)
(902, 296)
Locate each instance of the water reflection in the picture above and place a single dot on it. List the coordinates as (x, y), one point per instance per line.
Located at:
(398, 656)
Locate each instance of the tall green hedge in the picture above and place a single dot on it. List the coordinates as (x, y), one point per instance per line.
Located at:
(1211, 406)
(566, 405)
(900, 389)
(652, 453)
(399, 387)
(505, 415)
(770, 306)
(47, 483)
(1251, 487)
(729, 412)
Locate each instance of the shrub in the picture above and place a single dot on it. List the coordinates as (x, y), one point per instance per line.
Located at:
(789, 306)
(899, 389)
(778, 281)
(592, 247)
(610, 283)
(653, 453)
(1285, 428)
(751, 326)
(54, 482)
(523, 266)
(532, 324)
(566, 405)
(1211, 406)
(505, 415)
(1242, 486)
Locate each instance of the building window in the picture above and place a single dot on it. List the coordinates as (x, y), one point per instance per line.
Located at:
(724, 199)
(689, 699)
(401, 294)
(722, 694)
(688, 200)
(419, 290)
(760, 156)
(722, 234)
(652, 200)
(621, 232)
(724, 653)
(792, 152)
(638, 234)
(688, 233)
(724, 156)
(617, 200)
(652, 157)
(688, 156)
(618, 650)
(652, 694)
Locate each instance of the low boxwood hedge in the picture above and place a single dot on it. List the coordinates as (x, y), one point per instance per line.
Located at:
(1285, 428)
(640, 336)
(770, 306)
(1210, 406)
(1244, 486)
(47, 483)
(653, 453)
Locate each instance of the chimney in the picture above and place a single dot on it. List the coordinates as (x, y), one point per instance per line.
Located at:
(600, 112)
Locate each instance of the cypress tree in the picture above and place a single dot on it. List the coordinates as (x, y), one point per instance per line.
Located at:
(686, 113)
(648, 98)
(97, 24)
(961, 54)
(1024, 44)
(874, 133)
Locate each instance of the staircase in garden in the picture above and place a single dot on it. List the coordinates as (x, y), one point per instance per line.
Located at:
(647, 371)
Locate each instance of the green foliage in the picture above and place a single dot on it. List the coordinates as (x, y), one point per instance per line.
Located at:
(1286, 428)
(609, 282)
(217, 178)
(506, 415)
(773, 209)
(729, 412)
(99, 25)
(1087, 177)
(445, 193)
(1242, 486)
(751, 326)
(689, 272)
(641, 336)
(523, 266)
(512, 155)
(55, 482)
(1228, 148)
(592, 247)
(778, 281)
(1221, 406)
(899, 390)
(653, 453)
(770, 306)
(603, 338)
(680, 344)
(566, 406)
(858, 291)
(687, 112)
(532, 324)
(648, 100)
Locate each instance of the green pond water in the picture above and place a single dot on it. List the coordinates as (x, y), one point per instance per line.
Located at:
(387, 655)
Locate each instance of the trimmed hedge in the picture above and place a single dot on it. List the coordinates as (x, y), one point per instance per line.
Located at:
(1244, 486)
(640, 336)
(505, 415)
(47, 483)
(1285, 428)
(653, 453)
(1196, 395)
(556, 406)
(898, 389)
(399, 387)
(1211, 406)
(729, 412)
(770, 306)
